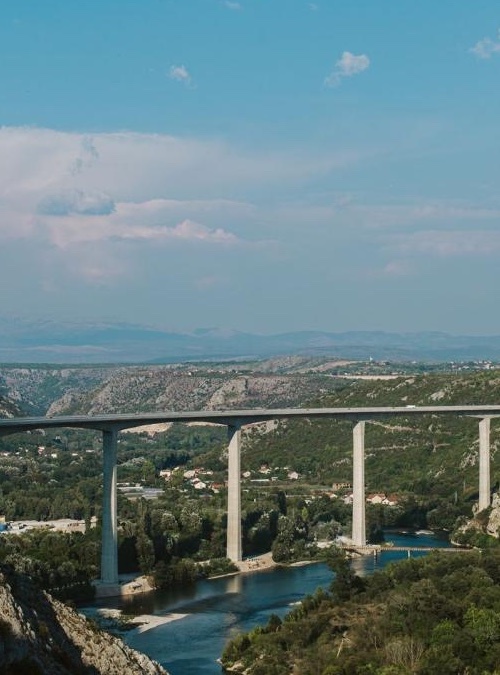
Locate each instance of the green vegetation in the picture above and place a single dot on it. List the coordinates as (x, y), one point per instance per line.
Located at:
(435, 615)
(63, 564)
(429, 463)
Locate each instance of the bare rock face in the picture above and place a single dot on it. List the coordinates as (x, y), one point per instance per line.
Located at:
(40, 635)
(487, 521)
(8, 407)
(493, 526)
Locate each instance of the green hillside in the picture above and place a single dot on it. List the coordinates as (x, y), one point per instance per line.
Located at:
(438, 615)
(427, 456)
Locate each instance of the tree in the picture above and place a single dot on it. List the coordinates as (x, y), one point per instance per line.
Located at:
(345, 583)
(145, 553)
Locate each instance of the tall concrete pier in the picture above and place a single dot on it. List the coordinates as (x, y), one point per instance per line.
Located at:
(484, 463)
(234, 547)
(109, 551)
(110, 425)
(358, 485)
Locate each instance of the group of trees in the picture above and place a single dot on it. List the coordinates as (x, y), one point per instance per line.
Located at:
(61, 563)
(439, 614)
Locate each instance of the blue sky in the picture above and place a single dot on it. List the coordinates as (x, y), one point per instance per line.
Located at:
(262, 165)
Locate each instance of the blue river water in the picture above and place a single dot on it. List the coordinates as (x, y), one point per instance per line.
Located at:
(215, 610)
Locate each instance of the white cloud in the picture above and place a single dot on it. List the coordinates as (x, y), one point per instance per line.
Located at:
(69, 231)
(485, 48)
(97, 248)
(127, 167)
(313, 6)
(62, 193)
(180, 74)
(232, 5)
(348, 65)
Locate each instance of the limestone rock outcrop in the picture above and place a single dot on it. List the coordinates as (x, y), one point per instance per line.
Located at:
(40, 635)
(493, 525)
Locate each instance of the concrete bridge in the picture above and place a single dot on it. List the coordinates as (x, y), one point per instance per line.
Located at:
(234, 420)
(376, 549)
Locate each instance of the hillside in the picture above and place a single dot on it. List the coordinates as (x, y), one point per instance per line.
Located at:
(40, 635)
(437, 615)
(34, 388)
(8, 408)
(279, 381)
(419, 455)
(429, 457)
(58, 391)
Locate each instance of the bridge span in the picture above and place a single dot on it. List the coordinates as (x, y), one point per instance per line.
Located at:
(234, 420)
(375, 549)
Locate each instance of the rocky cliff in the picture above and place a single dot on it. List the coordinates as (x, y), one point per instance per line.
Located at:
(478, 530)
(39, 635)
(60, 391)
(8, 408)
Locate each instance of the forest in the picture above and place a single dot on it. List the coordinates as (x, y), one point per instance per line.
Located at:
(436, 615)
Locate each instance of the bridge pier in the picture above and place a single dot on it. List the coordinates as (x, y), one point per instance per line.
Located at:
(234, 548)
(109, 551)
(358, 485)
(484, 463)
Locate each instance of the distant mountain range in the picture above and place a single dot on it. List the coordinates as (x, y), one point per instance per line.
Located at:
(24, 341)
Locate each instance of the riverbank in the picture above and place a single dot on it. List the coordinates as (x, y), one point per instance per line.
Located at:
(145, 622)
(117, 622)
(213, 610)
(129, 585)
(257, 563)
(132, 585)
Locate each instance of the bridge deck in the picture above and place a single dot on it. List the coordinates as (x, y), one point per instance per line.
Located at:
(388, 549)
(237, 417)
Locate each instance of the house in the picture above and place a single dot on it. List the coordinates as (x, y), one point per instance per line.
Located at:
(382, 498)
(376, 498)
(341, 486)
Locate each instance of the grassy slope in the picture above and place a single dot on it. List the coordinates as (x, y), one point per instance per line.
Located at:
(420, 455)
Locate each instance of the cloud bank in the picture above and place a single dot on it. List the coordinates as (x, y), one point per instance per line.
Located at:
(85, 215)
(70, 192)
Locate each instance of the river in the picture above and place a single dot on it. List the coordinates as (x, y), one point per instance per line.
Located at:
(215, 610)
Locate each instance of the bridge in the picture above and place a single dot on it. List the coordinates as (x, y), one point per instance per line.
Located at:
(234, 420)
(376, 549)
